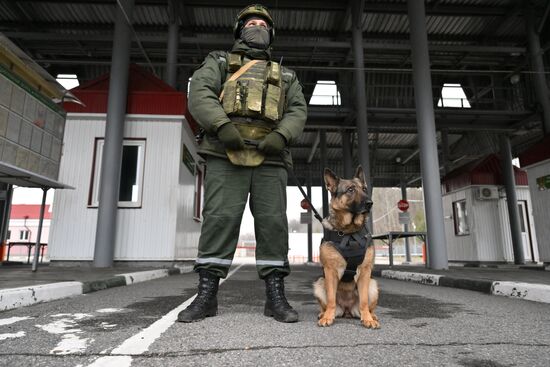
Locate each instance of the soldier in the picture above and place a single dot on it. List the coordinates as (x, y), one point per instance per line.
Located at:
(250, 108)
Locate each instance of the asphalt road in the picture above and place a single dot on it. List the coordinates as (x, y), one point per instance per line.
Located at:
(420, 326)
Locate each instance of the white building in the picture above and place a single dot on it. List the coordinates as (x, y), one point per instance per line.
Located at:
(161, 181)
(477, 227)
(24, 221)
(536, 162)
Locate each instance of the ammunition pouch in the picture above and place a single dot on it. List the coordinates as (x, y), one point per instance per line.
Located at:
(254, 130)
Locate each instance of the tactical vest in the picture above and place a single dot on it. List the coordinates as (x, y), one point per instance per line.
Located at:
(352, 247)
(258, 93)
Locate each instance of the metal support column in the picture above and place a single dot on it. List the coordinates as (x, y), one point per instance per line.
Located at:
(310, 224)
(323, 150)
(405, 226)
(360, 91)
(347, 153)
(172, 51)
(114, 137)
(39, 234)
(436, 243)
(537, 65)
(511, 199)
(445, 150)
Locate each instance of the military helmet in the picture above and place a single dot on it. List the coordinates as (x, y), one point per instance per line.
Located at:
(250, 11)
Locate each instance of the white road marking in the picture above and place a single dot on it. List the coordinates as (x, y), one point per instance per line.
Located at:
(140, 343)
(13, 320)
(112, 361)
(107, 326)
(110, 310)
(76, 316)
(18, 334)
(71, 342)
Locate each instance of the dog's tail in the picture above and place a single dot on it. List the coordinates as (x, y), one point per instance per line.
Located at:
(373, 294)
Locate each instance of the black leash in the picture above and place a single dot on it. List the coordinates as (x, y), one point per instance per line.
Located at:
(291, 171)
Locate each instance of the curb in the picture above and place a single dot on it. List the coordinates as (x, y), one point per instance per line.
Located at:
(518, 290)
(25, 296)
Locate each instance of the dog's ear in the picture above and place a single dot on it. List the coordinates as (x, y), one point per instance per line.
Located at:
(360, 174)
(331, 180)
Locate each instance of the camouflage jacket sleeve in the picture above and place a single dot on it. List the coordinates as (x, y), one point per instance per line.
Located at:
(204, 91)
(295, 115)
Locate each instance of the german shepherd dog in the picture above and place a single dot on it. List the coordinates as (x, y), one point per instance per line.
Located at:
(349, 209)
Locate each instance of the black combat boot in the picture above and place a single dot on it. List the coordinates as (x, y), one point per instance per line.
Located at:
(276, 304)
(206, 302)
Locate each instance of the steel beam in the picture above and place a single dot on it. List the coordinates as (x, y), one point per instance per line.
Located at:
(537, 65)
(286, 42)
(39, 233)
(347, 153)
(360, 88)
(172, 49)
(511, 199)
(436, 242)
(314, 147)
(114, 137)
(324, 163)
(405, 226)
(310, 224)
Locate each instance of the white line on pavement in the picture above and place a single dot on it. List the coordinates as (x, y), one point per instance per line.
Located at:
(140, 343)
(12, 320)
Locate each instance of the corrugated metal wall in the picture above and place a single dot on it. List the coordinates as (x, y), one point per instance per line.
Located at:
(490, 237)
(459, 248)
(523, 194)
(147, 233)
(187, 229)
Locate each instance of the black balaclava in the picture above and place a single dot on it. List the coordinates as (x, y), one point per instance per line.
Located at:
(256, 36)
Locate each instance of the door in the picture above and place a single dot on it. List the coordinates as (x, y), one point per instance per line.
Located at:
(525, 231)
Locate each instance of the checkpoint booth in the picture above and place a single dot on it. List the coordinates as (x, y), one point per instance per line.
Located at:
(477, 226)
(160, 196)
(536, 162)
(32, 126)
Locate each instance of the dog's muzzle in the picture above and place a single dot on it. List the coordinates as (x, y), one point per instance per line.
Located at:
(365, 206)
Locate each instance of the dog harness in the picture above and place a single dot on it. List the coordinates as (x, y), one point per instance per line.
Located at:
(352, 247)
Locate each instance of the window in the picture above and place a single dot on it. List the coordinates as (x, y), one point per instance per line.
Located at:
(69, 81)
(24, 235)
(460, 218)
(199, 194)
(325, 93)
(131, 175)
(452, 95)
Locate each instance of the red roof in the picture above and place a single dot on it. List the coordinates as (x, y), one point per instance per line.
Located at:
(147, 94)
(537, 153)
(487, 171)
(29, 211)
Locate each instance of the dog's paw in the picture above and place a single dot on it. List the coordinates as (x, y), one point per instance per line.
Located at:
(371, 324)
(325, 321)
